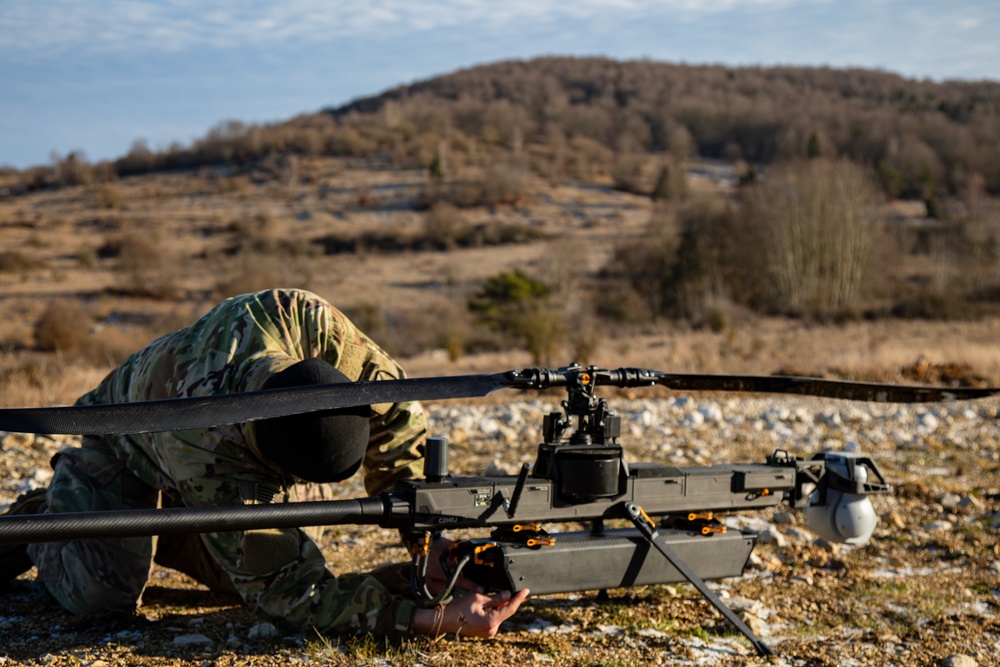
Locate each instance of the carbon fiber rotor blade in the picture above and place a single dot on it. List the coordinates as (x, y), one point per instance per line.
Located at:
(841, 389)
(179, 414)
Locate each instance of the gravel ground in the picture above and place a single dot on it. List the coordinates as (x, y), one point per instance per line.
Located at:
(925, 591)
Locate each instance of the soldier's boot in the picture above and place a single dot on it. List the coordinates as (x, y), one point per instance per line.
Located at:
(14, 560)
(187, 554)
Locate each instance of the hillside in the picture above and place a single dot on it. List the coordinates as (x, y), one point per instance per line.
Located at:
(756, 114)
(90, 272)
(573, 117)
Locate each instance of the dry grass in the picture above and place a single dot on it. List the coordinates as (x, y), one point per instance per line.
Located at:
(180, 241)
(36, 380)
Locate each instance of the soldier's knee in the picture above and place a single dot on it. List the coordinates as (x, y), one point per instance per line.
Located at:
(93, 600)
(87, 578)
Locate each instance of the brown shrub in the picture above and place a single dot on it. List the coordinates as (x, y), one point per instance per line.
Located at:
(444, 225)
(144, 268)
(72, 170)
(110, 346)
(410, 331)
(628, 174)
(504, 183)
(252, 271)
(647, 266)
(542, 328)
(709, 270)
(671, 182)
(621, 303)
(108, 196)
(14, 261)
(63, 326)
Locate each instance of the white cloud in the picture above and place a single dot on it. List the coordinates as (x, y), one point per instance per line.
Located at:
(30, 26)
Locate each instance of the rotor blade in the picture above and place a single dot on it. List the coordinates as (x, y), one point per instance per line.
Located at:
(841, 389)
(178, 414)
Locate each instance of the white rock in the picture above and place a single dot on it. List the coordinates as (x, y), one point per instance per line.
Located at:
(959, 660)
(776, 414)
(830, 418)
(263, 631)
(928, 422)
(771, 535)
(981, 608)
(950, 501)
(489, 426)
(800, 535)
(512, 415)
(539, 624)
(902, 437)
(651, 632)
(694, 419)
(938, 525)
(499, 469)
(803, 415)
(711, 412)
(971, 501)
(759, 627)
(507, 434)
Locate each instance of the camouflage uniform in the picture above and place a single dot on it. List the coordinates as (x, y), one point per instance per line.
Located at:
(235, 347)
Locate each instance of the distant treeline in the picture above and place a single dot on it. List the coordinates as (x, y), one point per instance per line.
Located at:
(577, 117)
(917, 131)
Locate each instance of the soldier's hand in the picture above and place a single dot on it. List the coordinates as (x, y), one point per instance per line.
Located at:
(436, 579)
(472, 614)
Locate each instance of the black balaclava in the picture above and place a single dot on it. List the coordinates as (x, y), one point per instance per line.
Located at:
(320, 447)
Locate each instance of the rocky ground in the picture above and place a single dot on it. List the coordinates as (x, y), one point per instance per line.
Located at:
(924, 591)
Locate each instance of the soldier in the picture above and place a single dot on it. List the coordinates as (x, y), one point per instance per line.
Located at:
(266, 340)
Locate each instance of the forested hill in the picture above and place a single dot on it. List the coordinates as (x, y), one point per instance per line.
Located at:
(573, 117)
(922, 129)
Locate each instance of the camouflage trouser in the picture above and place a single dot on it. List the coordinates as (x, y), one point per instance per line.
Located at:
(98, 576)
(95, 576)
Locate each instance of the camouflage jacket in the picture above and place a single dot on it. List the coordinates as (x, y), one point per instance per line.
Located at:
(235, 347)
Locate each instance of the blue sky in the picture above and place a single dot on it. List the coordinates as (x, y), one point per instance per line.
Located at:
(97, 75)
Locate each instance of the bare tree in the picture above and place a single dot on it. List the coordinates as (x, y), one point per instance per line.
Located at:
(817, 224)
